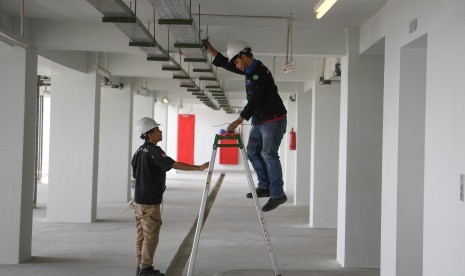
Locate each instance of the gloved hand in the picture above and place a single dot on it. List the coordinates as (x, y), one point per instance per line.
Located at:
(206, 43)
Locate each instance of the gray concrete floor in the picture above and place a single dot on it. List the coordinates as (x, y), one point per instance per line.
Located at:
(231, 243)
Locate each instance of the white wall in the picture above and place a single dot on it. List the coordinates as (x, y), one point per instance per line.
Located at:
(289, 169)
(115, 141)
(443, 237)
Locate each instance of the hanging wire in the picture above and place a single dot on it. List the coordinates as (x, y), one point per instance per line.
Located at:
(291, 36)
(154, 24)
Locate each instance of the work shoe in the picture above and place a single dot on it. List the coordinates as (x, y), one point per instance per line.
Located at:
(137, 271)
(149, 271)
(260, 193)
(273, 203)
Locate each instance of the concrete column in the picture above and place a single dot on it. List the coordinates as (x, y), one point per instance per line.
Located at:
(172, 132)
(161, 117)
(115, 143)
(143, 106)
(360, 153)
(324, 155)
(303, 129)
(411, 164)
(289, 171)
(18, 78)
(74, 144)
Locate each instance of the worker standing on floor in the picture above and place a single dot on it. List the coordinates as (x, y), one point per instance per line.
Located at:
(266, 108)
(149, 167)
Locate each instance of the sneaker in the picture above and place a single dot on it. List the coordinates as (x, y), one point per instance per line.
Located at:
(149, 271)
(273, 203)
(260, 193)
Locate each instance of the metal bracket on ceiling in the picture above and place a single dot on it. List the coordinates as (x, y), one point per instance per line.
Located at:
(175, 21)
(199, 70)
(113, 19)
(188, 45)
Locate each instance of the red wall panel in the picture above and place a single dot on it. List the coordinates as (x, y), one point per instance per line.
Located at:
(186, 133)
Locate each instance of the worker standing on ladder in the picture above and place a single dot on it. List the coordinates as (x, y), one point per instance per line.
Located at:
(149, 167)
(266, 108)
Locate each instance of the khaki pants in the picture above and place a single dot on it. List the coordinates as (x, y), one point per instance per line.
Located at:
(148, 223)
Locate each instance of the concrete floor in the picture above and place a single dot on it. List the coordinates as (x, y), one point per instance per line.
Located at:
(231, 243)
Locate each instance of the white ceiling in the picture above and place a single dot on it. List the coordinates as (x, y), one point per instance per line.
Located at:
(264, 28)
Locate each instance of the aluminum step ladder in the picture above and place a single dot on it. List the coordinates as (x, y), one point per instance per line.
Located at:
(261, 219)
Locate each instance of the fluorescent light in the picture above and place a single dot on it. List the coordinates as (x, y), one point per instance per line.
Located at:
(102, 71)
(143, 91)
(13, 39)
(322, 7)
(288, 68)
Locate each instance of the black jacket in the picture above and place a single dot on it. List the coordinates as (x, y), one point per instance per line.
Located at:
(263, 100)
(149, 167)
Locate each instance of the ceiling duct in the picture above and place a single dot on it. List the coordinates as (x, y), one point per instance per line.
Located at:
(117, 12)
(176, 14)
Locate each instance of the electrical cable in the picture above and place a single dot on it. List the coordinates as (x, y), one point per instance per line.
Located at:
(229, 124)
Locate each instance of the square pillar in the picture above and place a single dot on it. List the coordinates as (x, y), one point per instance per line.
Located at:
(303, 152)
(324, 155)
(360, 157)
(74, 144)
(18, 76)
(115, 143)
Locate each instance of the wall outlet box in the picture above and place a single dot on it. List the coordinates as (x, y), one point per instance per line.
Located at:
(462, 184)
(412, 26)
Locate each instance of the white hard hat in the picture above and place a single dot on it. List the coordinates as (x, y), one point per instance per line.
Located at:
(145, 124)
(236, 47)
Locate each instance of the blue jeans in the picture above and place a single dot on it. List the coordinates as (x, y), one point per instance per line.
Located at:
(262, 151)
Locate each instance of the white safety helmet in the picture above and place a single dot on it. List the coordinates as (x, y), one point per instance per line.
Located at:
(145, 124)
(237, 47)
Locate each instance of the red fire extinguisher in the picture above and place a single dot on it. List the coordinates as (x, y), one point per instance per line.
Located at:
(292, 139)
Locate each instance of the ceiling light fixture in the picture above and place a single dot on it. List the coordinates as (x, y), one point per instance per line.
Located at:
(165, 99)
(13, 39)
(322, 7)
(143, 90)
(288, 67)
(100, 70)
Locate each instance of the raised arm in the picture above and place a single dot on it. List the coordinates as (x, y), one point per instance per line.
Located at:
(220, 60)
